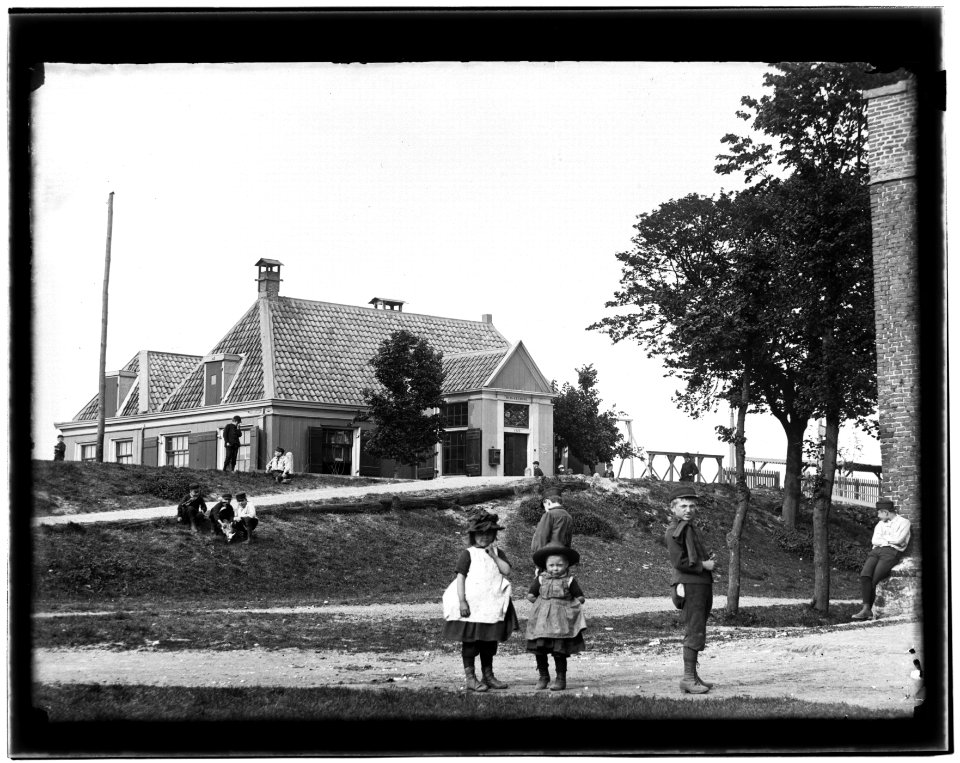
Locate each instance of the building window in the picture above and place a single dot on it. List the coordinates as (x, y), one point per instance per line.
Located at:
(455, 452)
(516, 416)
(455, 415)
(124, 451)
(178, 450)
(88, 452)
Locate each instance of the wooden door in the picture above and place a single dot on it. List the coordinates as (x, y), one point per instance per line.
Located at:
(514, 454)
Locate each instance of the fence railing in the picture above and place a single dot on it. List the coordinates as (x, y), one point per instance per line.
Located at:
(864, 492)
(755, 478)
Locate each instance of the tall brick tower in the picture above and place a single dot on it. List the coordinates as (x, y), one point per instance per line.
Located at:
(892, 158)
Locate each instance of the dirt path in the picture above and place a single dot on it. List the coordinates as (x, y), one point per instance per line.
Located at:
(277, 499)
(869, 666)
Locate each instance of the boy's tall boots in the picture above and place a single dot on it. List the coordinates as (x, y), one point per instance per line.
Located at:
(543, 669)
(470, 672)
(866, 593)
(696, 671)
(688, 684)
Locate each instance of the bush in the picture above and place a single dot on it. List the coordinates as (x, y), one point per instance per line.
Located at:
(167, 483)
(586, 520)
(844, 555)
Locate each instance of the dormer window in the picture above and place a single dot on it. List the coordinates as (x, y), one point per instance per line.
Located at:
(218, 373)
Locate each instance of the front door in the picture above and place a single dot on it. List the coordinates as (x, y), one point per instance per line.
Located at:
(514, 454)
(330, 451)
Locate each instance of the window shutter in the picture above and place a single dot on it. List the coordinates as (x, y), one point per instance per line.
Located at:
(474, 463)
(149, 456)
(203, 450)
(255, 449)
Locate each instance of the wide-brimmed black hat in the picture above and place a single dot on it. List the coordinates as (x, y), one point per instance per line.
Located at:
(541, 555)
(484, 522)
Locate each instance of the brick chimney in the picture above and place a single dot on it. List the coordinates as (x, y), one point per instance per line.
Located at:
(487, 317)
(268, 278)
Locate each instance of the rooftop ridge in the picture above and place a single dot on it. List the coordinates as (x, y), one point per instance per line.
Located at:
(395, 313)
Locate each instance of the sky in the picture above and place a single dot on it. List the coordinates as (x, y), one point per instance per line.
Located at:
(460, 188)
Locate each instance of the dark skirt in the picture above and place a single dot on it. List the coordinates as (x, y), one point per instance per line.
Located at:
(461, 630)
(556, 645)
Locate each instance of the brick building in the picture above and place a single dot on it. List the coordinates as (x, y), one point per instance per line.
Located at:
(294, 370)
(892, 122)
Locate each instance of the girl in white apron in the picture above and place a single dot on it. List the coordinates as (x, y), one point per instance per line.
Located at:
(477, 606)
(556, 622)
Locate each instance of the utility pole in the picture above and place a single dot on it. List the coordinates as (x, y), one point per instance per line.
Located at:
(102, 415)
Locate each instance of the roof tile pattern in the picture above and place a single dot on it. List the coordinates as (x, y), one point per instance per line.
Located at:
(322, 350)
(243, 339)
(91, 410)
(470, 371)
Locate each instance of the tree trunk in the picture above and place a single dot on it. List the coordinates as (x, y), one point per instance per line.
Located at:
(821, 517)
(743, 501)
(792, 473)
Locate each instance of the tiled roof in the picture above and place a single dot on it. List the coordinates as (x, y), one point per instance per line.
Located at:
(91, 410)
(322, 350)
(244, 340)
(166, 371)
(321, 354)
(468, 371)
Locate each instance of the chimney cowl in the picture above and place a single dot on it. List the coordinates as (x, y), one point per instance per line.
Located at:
(387, 303)
(268, 277)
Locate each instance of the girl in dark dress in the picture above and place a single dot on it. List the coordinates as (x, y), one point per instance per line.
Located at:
(556, 621)
(477, 606)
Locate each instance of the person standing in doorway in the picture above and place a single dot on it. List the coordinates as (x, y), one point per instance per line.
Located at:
(231, 444)
(60, 449)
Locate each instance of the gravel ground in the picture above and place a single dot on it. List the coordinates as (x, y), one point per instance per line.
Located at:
(870, 666)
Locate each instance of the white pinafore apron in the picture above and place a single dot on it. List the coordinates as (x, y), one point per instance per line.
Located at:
(486, 589)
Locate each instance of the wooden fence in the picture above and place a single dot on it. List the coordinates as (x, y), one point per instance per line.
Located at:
(755, 478)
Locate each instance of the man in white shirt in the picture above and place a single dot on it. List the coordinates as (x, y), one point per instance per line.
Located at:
(281, 465)
(890, 539)
(246, 515)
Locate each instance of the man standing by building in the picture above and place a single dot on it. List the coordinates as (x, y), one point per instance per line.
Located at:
(693, 569)
(60, 449)
(231, 444)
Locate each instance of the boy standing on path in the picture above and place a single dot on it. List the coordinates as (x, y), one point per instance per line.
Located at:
(890, 539)
(693, 568)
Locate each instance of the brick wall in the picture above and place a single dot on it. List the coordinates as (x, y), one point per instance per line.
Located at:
(891, 121)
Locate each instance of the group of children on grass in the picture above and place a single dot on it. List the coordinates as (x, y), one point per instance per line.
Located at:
(234, 521)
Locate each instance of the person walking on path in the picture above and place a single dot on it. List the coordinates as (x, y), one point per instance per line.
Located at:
(556, 621)
(688, 469)
(231, 444)
(693, 569)
(477, 606)
(890, 539)
(60, 449)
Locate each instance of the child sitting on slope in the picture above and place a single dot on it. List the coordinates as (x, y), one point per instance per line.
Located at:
(477, 606)
(556, 621)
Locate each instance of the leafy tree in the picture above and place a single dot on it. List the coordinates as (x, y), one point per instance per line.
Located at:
(817, 114)
(578, 423)
(410, 373)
